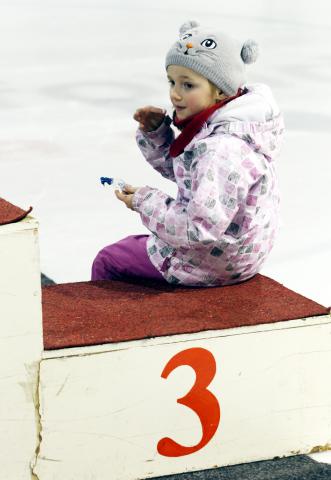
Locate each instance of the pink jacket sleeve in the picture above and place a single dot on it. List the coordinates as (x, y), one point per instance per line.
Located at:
(209, 213)
(155, 147)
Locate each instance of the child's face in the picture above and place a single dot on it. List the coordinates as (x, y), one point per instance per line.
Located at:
(190, 93)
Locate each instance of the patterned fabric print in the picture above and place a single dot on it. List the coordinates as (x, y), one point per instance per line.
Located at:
(221, 227)
(155, 147)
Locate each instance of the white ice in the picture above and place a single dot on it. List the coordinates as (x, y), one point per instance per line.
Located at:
(72, 72)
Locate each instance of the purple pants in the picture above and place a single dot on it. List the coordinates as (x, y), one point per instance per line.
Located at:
(124, 259)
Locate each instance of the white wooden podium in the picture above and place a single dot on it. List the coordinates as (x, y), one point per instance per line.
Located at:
(113, 411)
(124, 396)
(21, 346)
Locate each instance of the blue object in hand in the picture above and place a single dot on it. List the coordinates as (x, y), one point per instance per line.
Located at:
(108, 180)
(116, 182)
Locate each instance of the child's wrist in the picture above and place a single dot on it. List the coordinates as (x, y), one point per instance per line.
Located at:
(139, 196)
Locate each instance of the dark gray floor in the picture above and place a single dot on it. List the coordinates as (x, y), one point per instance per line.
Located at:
(299, 467)
(46, 281)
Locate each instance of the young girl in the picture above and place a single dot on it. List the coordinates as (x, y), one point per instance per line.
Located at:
(221, 227)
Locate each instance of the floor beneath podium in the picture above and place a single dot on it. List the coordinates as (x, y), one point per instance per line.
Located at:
(300, 467)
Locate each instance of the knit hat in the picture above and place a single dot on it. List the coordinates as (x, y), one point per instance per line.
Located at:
(214, 55)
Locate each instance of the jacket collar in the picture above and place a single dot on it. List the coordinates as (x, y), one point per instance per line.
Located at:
(192, 125)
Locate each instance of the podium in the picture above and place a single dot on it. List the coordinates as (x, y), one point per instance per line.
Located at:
(143, 380)
(21, 341)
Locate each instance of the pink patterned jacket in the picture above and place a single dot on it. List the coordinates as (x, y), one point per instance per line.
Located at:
(221, 227)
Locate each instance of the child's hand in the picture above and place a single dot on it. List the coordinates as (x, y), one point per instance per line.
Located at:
(126, 195)
(149, 118)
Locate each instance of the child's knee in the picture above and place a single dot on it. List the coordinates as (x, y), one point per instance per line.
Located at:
(101, 265)
(106, 265)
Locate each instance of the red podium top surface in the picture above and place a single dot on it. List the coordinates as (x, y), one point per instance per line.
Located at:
(9, 213)
(93, 313)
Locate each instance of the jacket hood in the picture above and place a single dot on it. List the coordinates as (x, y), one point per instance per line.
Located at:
(255, 118)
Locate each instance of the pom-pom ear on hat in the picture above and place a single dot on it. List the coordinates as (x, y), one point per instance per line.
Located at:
(188, 26)
(250, 51)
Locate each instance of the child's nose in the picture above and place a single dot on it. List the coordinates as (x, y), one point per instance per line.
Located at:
(175, 95)
(189, 45)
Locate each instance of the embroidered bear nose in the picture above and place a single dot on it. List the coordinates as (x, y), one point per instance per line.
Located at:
(189, 45)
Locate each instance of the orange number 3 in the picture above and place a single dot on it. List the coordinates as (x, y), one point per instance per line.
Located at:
(199, 399)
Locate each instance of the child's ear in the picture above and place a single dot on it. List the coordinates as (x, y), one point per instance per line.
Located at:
(220, 95)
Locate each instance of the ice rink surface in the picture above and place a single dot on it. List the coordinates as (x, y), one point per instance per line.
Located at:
(74, 71)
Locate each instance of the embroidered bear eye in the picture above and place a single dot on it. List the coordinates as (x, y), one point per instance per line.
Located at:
(186, 36)
(209, 43)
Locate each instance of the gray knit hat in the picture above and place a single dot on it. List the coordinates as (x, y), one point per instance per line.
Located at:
(216, 56)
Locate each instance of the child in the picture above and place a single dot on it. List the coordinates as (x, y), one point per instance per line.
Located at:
(221, 227)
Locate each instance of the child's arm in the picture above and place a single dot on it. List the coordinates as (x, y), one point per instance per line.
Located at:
(154, 138)
(214, 203)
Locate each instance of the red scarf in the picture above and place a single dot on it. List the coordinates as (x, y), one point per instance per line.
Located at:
(191, 125)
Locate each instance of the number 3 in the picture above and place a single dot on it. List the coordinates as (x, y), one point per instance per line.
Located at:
(198, 399)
